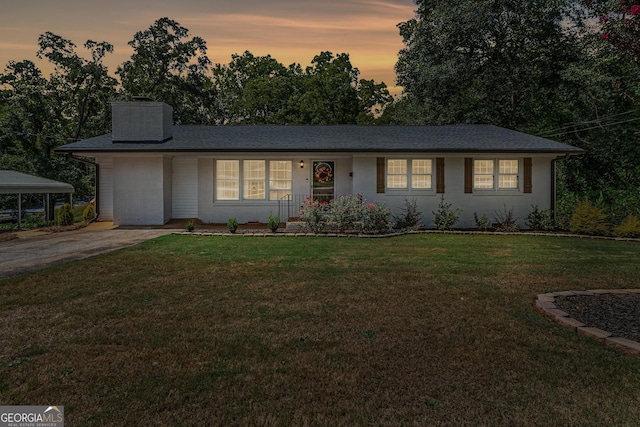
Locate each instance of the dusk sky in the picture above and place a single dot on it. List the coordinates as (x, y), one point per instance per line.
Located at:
(288, 30)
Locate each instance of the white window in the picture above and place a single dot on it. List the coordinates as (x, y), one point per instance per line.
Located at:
(418, 173)
(254, 178)
(228, 179)
(508, 174)
(486, 178)
(250, 176)
(280, 179)
(421, 173)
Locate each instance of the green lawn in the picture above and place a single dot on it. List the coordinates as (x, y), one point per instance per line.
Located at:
(414, 330)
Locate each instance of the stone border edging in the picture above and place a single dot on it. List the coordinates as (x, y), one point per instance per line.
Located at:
(545, 304)
(262, 233)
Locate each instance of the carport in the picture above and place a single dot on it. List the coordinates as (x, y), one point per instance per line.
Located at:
(12, 182)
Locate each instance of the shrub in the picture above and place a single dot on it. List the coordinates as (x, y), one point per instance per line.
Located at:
(540, 220)
(232, 225)
(565, 206)
(445, 217)
(630, 227)
(482, 222)
(410, 216)
(64, 215)
(505, 221)
(589, 219)
(345, 211)
(88, 213)
(190, 226)
(376, 218)
(314, 214)
(34, 220)
(273, 222)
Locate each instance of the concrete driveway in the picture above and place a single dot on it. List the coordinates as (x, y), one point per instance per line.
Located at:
(34, 250)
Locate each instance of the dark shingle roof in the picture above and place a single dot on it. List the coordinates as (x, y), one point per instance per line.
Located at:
(351, 138)
(12, 182)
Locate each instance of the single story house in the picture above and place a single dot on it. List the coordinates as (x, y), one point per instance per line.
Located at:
(150, 171)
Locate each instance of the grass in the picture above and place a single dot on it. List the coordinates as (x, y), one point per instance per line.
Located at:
(415, 330)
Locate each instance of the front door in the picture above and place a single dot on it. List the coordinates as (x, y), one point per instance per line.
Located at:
(323, 184)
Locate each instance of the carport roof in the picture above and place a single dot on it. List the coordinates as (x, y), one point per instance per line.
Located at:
(12, 182)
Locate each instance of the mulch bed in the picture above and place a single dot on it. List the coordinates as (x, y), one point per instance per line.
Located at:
(618, 314)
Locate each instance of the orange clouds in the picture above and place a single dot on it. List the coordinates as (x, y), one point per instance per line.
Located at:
(288, 30)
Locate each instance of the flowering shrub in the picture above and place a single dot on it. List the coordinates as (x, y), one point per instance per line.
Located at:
(345, 211)
(314, 214)
(376, 218)
(349, 212)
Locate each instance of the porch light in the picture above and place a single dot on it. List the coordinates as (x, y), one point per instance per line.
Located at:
(301, 164)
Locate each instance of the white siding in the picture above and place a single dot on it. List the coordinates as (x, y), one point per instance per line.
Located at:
(105, 196)
(185, 187)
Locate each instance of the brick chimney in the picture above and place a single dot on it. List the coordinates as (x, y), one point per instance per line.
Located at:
(141, 120)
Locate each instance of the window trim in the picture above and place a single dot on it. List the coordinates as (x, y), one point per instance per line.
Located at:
(408, 175)
(496, 175)
(241, 181)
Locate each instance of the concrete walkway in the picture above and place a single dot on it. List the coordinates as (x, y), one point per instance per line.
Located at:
(34, 250)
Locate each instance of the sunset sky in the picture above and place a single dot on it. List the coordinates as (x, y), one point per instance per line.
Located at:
(288, 30)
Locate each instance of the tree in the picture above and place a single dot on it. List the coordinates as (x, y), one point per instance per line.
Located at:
(253, 89)
(39, 114)
(487, 61)
(620, 24)
(330, 93)
(80, 89)
(168, 66)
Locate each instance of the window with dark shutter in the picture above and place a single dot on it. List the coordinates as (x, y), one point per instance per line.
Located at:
(468, 175)
(380, 175)
(439, 175)
(528, 178)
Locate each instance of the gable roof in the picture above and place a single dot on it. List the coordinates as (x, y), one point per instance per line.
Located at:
(12, 182)
(340, 138)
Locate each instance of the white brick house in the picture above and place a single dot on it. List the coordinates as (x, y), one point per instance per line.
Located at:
(150, 171)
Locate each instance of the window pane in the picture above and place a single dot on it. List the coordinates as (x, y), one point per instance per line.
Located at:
(421, 166)
(421, 181)
(280, 181)
(397, 167)
(397, 181)
(228, 179)
(508, 181)
(509, 166)
(254, 174)
(421, 173)
(483, 181)
(483, 167)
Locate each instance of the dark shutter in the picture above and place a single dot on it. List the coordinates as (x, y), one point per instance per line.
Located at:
(468, 175)
(528, 179)
(380, 175)
(440, 175)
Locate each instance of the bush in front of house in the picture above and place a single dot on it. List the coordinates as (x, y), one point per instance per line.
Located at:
(88, 213)
(540, 220)
(314, 213)
(64, 215)
(505, 221)
(376, 218)
(410, 216)
(589, 219)
(482, 222)
(273, 222)
(232, 225)
(446, 217)
(346, 213)
(630, 227)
